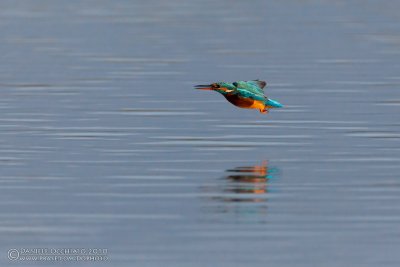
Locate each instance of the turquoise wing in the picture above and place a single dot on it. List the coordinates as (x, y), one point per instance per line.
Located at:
(258, 83)
(251, 86)
(249, 94)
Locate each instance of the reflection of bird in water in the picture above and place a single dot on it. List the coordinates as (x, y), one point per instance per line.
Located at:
(244, 94)
(251, 180)
(244, 191)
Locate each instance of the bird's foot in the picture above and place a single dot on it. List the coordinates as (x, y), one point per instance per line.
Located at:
(264, 111)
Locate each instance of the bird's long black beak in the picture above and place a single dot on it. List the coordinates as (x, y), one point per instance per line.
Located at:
(203, 87)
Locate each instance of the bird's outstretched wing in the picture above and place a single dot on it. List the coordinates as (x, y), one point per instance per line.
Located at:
(254, 86)
(249, 94)
(260, 84)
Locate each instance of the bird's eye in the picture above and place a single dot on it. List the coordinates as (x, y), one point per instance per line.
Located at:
(215, 85)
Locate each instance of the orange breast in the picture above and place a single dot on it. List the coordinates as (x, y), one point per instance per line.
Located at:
(258, 105)
(245, 102)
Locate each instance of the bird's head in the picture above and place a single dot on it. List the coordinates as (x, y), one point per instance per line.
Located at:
(220, 87)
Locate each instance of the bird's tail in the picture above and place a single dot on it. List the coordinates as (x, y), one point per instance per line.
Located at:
(273, 103)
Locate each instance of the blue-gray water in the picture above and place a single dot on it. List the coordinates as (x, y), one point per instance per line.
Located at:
(105, 144)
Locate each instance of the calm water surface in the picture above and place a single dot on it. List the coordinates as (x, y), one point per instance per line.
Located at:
(104, 143)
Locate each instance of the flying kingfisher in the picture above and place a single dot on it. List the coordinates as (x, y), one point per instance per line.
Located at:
(244, 94)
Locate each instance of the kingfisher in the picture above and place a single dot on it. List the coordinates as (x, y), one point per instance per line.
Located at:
(244, 94)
